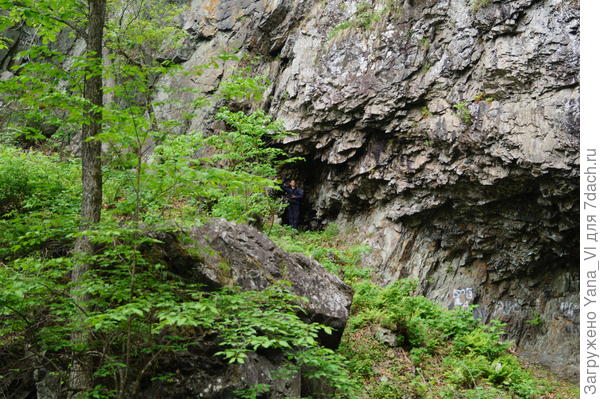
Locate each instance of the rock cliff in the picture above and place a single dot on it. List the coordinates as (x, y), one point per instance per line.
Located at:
(445, 132)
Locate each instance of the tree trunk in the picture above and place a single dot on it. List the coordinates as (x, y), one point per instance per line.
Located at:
(81, 371)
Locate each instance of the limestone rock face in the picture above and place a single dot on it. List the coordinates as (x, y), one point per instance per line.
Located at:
(445, 132)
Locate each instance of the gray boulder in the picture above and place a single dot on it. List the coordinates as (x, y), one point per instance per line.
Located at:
(222, 253)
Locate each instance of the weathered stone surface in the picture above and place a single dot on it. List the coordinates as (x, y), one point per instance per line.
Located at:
(223, 253)
(386, 336)
(446, 133)
(47, 385)
(201, 374)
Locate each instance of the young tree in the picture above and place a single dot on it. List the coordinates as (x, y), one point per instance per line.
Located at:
(91, 163)
(50, 17)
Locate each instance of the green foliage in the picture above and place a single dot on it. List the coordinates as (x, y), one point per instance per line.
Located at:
(135, 322)
(247, 145)
(364, 357)
(36, 12)
(39, 201)
(536, 320)
(475, 363)
(136, 312)
(243, 86)
(139, 30)
(425, 112)
(326, 248)
(253, 391)
(230, 174)
(338, 28)
(37, 105)
(241, 173)
(425, 67)
(463, 112)
(364, 18)
(476, 5)
(484, 341)
(481, 96)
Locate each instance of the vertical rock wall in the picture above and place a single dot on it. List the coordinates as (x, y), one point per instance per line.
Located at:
(445, 133)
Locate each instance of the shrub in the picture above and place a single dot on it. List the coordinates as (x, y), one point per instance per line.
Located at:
(30, 180)
(464, 113)
(484, 340)
(39, 202)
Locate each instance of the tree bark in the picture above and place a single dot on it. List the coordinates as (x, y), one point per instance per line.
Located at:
(81, 371)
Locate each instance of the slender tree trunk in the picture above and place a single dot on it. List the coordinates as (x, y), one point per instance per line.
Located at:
(81, 371)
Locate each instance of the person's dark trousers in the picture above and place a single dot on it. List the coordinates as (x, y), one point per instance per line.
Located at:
(293, 215)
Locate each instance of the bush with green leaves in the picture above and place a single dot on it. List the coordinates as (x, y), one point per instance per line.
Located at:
(39, 202)
(464, 113)
(246, 155)
(475, 356)
(31, 181)
(139, 312)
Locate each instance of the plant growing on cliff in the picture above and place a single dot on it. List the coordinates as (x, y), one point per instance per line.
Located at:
(476, 5)
(363, 18)
(464, 113)
(425, 112)
(536, 320)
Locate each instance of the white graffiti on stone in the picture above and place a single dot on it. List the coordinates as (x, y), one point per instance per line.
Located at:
(463, 297)
(506, 307)
(569, 309)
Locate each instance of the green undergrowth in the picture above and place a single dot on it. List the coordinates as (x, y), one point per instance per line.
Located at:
(39, 201)
(327, 247)
(433, 352)
(138, 312)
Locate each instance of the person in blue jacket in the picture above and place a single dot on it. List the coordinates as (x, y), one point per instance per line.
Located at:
(294, 196)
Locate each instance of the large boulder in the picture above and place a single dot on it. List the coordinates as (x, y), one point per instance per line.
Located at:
(221, 253)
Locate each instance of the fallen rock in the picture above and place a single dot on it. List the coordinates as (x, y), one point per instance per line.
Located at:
(386, 336)
(222, 253)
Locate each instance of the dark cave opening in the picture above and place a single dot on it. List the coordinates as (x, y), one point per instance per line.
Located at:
(309, 174)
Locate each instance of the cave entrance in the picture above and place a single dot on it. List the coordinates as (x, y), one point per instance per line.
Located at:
(308, 174)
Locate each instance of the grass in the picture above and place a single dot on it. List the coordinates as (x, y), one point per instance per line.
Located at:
(364, 18)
